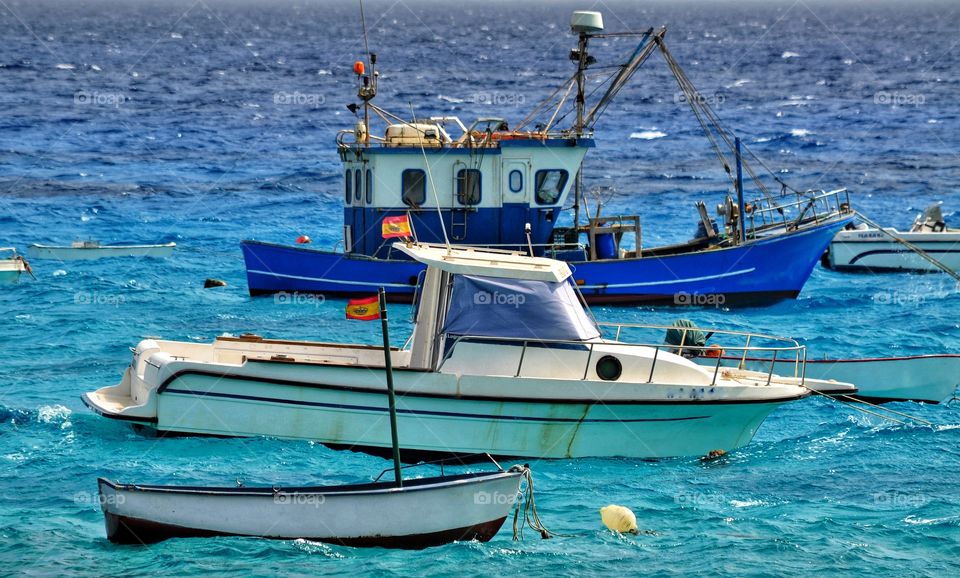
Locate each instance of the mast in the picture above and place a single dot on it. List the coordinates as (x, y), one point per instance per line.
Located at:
(584, 23)
(391, 395)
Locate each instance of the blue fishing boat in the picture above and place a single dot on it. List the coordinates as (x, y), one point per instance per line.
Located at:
(490, 185)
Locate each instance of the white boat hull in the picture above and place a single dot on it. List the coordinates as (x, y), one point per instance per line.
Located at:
(99, 252)
(9, 274)
(872, 250)
(425, 512)
(346, 407)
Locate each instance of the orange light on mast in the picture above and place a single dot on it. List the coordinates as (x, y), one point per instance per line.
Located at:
(358, 68)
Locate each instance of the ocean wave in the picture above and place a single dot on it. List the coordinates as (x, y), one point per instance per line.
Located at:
(648, 134)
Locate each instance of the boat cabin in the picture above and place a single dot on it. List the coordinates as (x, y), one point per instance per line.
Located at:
(481, 185)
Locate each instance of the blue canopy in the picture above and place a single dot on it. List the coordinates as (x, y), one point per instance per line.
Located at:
(498, 307)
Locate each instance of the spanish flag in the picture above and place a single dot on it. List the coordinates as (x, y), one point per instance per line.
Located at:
(395, 227)
(366, 309)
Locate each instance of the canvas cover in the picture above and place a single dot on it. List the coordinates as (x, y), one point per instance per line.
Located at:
(517, 308)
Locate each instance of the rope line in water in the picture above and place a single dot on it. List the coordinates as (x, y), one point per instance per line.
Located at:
(853, 404)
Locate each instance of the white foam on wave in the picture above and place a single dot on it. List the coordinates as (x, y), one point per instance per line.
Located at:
(648, 134)
(65, 67)
(451, 99)
(789, 54)
(54, 414)
(800, 132)
(746, 503)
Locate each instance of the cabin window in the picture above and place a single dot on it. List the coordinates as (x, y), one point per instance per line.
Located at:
(550, 185)
(369, 187)
(357, 191)
(468, 186)
(348, 182)
(414, 187)
(515, 181)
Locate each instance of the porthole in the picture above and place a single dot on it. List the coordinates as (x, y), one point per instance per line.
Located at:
(516, 181)
(609, 368)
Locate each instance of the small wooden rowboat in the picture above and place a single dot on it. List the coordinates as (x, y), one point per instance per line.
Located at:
(94, 250)
(422, 513)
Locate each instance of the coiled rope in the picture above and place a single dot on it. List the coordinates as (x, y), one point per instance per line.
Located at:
(530, 516)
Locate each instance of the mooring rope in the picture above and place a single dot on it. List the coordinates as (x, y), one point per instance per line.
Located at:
(852, 405)
(530, 516)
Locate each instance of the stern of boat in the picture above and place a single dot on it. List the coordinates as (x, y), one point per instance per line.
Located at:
(134, 398)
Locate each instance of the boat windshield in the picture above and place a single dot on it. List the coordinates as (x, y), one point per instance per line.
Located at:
(517, 308)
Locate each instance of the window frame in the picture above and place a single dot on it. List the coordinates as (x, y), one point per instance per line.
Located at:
(423, 188)
(519, 188)
(461, 180)
(368, 186)
(348, 186)
(538, 182)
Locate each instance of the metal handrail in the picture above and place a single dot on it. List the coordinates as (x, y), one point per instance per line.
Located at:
(840, 203)
(798, 351)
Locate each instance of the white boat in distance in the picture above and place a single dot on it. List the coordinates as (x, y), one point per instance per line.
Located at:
(11, 266)
(424, 512)
(924, 378)
(503, 359)
(869, 249)
(94, 250)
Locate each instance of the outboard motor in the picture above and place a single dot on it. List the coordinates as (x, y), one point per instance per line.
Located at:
(931, 221)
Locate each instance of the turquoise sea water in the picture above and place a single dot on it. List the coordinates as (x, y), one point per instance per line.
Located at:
(160, 121)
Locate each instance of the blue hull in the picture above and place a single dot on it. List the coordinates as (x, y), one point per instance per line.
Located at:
(764, 270)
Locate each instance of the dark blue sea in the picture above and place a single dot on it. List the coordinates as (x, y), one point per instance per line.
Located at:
(209, 122)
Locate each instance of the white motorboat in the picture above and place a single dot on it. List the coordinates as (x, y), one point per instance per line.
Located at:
(503, 359)
(11, 266)
(95, 250)
(422, 513)
(869, 249)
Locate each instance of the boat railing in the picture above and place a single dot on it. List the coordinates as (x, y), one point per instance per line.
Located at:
(794, 210)
(469, 140)
(746, 349)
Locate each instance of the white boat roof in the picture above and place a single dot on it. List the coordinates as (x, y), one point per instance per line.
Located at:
(486, 262)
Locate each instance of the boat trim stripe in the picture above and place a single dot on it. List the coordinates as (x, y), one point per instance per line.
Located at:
(672, 281)
(427, 412)
(899, 252)
(327, 280)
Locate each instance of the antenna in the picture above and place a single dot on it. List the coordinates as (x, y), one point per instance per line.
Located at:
(436, 198)
(368, 84)
(584, 23)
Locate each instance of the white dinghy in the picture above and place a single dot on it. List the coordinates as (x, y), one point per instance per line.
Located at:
(870, 249)
(80, 250)
(503, 359)
(11, 266)
(423, 513)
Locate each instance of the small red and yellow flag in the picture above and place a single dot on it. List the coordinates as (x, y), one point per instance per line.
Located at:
(396, 227)
(366, 309)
